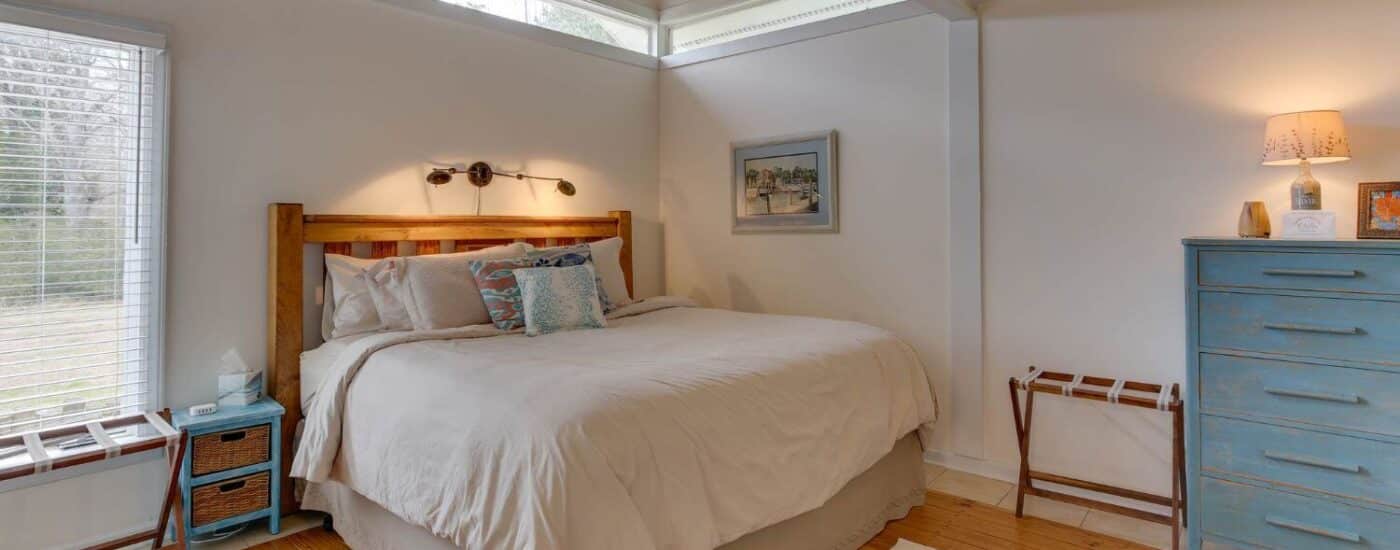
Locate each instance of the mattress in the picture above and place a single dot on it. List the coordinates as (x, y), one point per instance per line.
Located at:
(676, 427)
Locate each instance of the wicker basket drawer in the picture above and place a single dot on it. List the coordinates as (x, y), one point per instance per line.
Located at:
(226, 499)
(230, 449)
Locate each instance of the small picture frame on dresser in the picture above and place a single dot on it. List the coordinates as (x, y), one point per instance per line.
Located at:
(1378, 210)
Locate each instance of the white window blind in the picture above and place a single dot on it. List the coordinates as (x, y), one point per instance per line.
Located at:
(79, 241)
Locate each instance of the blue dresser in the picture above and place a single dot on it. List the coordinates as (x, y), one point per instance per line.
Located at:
(1293, 408)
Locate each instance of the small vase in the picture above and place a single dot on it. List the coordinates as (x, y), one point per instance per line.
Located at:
(1254, 221)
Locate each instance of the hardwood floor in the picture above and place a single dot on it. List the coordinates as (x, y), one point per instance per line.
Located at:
(945, 522)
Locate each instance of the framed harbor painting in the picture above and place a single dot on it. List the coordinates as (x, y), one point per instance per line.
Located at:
(785, 184)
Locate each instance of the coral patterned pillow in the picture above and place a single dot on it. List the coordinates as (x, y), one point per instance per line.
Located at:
(560, 298)
(501, 292)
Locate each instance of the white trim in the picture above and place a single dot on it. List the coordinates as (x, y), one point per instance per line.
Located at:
(160, 145)
(695, 8)
(965, 306)
(818, 29)
(644, 13)
(953, 10)
(106, 27)
(441, 10)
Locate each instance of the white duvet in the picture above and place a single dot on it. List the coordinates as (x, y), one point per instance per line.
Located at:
(676, 427)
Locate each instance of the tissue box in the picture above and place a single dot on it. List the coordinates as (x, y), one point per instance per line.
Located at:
(240, 389)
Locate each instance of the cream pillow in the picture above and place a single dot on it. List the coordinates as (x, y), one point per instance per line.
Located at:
(607, 259)
(441, 291)
(353, 310)
(385, 282)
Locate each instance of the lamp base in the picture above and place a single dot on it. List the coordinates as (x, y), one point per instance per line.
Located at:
(1309, 225)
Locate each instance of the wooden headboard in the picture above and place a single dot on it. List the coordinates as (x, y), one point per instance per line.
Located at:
(289, 230)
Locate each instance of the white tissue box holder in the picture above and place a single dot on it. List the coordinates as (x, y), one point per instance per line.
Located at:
(240, 389)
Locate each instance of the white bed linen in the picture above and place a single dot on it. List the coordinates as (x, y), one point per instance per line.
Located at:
(315, 363)
(675, 428)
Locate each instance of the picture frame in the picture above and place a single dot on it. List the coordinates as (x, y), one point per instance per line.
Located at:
(785, 184)
(1378, 210)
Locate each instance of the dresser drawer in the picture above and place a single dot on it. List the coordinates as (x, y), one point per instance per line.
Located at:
(1274, 519)
(229, 449)
(1341, 397)
(1301, 270)
(1337, 465)
(1319, 327)
(226, 499)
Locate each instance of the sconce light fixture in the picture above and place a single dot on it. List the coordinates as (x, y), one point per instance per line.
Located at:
(480, 174)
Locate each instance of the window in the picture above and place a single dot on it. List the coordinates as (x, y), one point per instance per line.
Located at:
(81, 155)
(580, 19)
(754, 18)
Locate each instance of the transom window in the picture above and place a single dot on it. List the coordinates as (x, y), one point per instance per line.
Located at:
(584, 20)
(80, 212)
(755, 18)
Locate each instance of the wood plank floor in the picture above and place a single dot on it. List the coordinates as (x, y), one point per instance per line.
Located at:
(945, 522)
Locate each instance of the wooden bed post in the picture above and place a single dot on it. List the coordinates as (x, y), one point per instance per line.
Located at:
(284, 337)
(624, 230)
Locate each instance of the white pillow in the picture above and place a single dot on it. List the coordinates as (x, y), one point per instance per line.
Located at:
(441, 291)
(386, 288)
(353, 310)
(607, 259)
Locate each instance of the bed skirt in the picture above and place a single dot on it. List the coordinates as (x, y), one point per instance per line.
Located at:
(851, 518)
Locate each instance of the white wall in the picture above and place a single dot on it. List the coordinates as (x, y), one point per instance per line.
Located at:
(1113, 128)
(341, 104)
(883, 88)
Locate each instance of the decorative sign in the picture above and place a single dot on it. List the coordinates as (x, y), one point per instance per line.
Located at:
(1315, 225)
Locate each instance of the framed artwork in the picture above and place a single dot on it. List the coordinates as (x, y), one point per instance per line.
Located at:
(784, 184)
(1378, 210)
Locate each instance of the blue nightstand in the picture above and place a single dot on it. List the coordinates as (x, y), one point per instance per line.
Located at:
(232, 471)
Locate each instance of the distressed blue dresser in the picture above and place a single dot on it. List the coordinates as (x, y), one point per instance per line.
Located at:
(1293, 408)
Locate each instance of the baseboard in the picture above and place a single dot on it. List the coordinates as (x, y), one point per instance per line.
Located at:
(1010, 473)
(99, 539)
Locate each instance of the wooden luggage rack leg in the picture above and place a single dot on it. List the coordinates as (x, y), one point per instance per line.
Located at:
(1108, 390)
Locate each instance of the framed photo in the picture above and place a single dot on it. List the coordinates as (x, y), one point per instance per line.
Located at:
(785, 184)
(1378, 210)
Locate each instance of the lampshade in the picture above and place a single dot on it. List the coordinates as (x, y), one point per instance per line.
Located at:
(1318, 136)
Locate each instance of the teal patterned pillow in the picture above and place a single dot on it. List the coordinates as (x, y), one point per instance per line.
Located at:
(499, 291)
(559, 298)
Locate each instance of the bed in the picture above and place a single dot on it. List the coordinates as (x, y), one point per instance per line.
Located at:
(675, 427)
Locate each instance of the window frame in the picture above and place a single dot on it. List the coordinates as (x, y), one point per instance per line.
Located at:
(609, 8)
(697, 10)
(146, 35)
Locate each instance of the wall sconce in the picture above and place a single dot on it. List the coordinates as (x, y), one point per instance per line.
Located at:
(480, 174)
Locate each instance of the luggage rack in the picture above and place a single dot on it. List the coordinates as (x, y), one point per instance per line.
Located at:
(1107, 390)
(41, 451)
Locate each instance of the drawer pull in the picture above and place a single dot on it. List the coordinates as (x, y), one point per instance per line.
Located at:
(1346, 273)
(1323, 329)
(232, 486)
(1311, 461)
(233, 436)
(1312, 529)
(1334, 397)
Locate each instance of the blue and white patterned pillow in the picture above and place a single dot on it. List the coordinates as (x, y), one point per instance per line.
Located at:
(559, 298)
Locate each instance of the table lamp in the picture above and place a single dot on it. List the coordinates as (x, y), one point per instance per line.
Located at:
(1304, 139)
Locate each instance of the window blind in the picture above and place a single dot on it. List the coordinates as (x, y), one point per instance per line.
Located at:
(78, 231)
